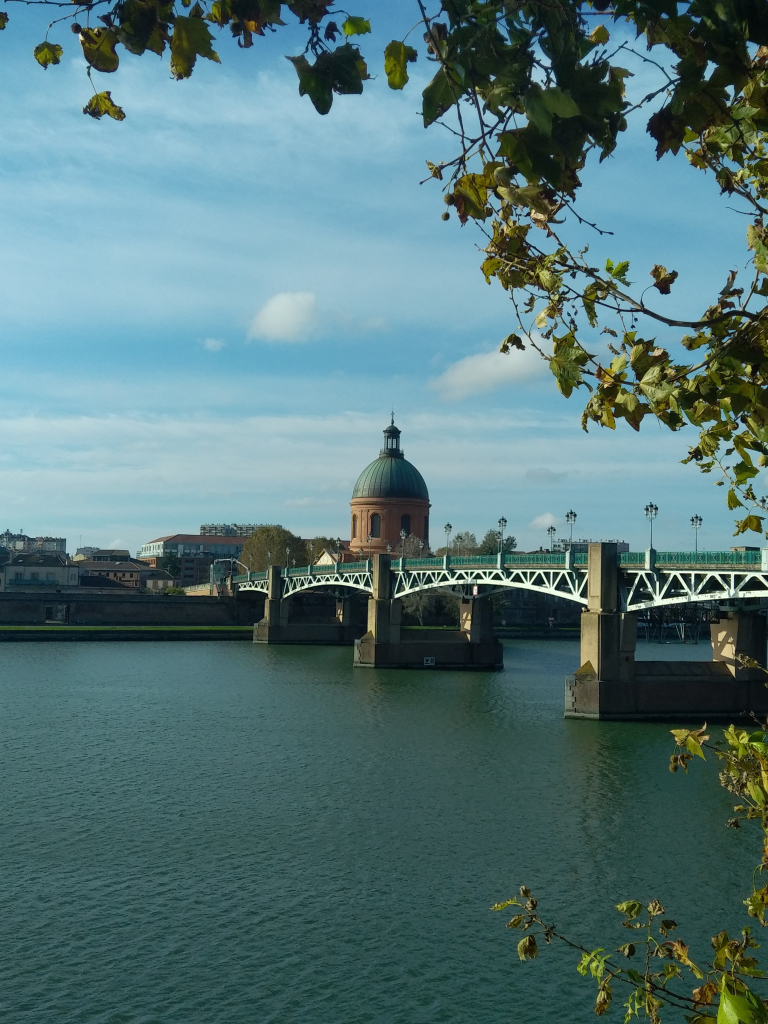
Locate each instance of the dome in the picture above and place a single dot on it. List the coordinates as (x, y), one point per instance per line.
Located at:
(391, 477)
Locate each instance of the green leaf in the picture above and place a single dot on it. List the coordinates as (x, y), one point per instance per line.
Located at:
(191, 39)
(599, 36)
(630, 908)
(558, 102)
(317, 86)
(396, 56)
(46, 53)
(537, 110)
(101, 104)
(663, 279)
(733, 500)
(756, 242)
(753, 523)
(744, 1008)
(527, 948)
(356, 26)
(143, 25)
(3, 20)
(439, 96)
(99, 48)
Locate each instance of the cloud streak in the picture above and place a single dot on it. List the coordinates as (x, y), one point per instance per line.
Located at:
(285, 317)
(487, 371)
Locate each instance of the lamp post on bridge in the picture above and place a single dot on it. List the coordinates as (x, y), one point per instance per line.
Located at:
(570, 518)
(696, 522)
(651, 511)
(370, 538)
(551, 530)
(447, 529)
(502, 527)
(403, 535)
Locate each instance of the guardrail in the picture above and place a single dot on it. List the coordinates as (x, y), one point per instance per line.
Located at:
(549, 559)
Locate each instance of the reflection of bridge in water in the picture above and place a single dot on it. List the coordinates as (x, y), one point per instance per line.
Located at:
(612, 589)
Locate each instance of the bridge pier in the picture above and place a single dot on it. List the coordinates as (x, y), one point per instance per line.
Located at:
(388, 644)
(611, 684)
(277, 628)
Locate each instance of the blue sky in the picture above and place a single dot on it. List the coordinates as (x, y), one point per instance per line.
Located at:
(209, 309)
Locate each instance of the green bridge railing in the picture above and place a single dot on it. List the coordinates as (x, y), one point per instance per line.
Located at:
(550, 559)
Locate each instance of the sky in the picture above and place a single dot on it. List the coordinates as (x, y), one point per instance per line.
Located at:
(208, 310)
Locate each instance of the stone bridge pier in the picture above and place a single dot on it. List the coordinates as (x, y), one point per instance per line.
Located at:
(287, 620)
(612, 684)
(388, 644)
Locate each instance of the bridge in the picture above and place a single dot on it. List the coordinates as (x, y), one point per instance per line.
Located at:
(612, 589)
(647, 579)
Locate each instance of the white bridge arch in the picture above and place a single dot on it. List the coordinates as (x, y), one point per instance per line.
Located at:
(646, 579)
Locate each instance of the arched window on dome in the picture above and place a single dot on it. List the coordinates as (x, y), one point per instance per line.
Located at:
(354, 526)
(375, 525)
(405, 524)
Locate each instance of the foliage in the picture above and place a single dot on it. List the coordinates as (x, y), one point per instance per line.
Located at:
(171, 564)
(535, 95)
(652, 971)
(268, 545)
(463, 543)
(317, 545)
(489, 545)
(174, 592)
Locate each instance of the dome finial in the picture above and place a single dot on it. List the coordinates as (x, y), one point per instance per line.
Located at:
(392, 439)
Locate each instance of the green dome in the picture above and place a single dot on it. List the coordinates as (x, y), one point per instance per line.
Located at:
(391, 476)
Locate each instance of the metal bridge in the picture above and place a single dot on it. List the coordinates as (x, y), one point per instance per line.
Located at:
(647, 579)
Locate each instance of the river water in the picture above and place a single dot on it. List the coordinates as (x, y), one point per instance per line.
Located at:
(217, 833)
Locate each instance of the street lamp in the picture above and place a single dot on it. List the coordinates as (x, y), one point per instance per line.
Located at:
(502, 526)
(370, 538)
(403, 535)
(651, 511)
(287, 557)
(570, 518)
(696, 522)
(551, 530)
(447, 529)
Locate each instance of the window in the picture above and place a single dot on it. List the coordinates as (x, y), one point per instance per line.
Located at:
(354, 526)
(405, 524)
(34, 575)
(18, 575)
(375, 525)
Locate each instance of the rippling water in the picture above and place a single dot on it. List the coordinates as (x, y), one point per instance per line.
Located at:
(222, 833)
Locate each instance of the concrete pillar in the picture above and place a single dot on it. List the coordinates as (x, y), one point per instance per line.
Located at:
(273, 604)
(476, 619)
(384, 612)
(740, 633)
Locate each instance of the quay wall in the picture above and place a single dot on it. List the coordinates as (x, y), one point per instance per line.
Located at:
(128, 610)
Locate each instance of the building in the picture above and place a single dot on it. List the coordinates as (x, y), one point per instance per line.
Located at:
(582, 546)
(35, 571)
(390, 496)
(102, 555)
(194, 554)
(128, 574)
(20, 543)
(157, 580)
(228, 529)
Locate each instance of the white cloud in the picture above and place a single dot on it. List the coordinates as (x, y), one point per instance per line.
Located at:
(489, 370)
(287, 316)
(543, 521)
(214, 344)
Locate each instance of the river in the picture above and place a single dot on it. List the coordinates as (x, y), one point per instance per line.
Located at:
(218, 833)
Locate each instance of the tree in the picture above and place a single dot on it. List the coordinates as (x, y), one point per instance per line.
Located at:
(268, 545)
(654, 971)
(318, 544)
(535, 94)
(489, 545)
(171, 564)
(464, 543)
